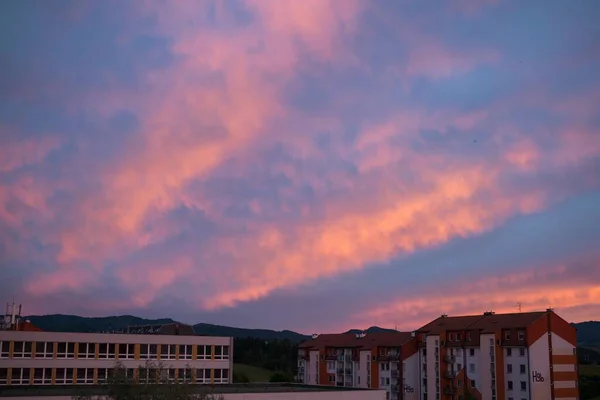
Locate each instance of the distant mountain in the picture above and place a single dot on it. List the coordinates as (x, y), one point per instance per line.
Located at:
(266, 334)
(373, 329)
(74, 323)
(588, 333)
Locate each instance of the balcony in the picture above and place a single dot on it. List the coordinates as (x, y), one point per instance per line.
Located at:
(395, 373)
(330, 357)
(340, 371)
(450, 390)
(394, 388)
(348, 371)
(450, 359)
(450, 374)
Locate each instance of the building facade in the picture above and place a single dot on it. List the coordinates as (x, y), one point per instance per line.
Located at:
(381, 360)
(30, 357)
(520, 356)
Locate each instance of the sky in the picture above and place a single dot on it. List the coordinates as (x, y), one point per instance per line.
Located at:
(313, 165)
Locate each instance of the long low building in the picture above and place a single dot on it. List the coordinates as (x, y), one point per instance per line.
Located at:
(252, 391)
(36, 358)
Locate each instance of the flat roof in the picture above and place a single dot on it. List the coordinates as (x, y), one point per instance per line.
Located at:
(90, 390)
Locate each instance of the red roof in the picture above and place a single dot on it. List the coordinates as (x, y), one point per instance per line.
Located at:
(26, 326)
(350, 340)
(486, 322)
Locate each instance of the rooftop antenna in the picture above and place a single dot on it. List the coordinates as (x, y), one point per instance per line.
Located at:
(519, 305)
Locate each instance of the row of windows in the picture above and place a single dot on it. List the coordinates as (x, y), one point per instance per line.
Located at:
(126, 351)
(85, 376)
(522, 369)
(523, 385)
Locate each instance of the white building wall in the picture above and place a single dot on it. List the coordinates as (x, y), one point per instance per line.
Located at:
(411, 387)
(486, 344)
(365, 357)
(431, 364)
(473, 366)
(561, 347)
(539, 365)
(516, 360)
(313, 367)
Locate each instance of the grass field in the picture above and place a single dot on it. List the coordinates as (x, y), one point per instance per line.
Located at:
(589, 370)
(255, 374)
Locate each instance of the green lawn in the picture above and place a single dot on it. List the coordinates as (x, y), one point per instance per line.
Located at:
(589, 370)
(255, 374)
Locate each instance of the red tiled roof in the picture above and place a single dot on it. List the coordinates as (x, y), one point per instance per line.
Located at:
(27, 326)
(350, 340)
(486, 323)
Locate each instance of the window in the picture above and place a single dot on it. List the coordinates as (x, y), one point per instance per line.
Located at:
(20, 376)
(469, 336)
(331, 378)
(126, 351)
(65, 350)
(458, 337)
(148, 351)
(471, 367)
(3, 376)
(509, 369)
(522, 368)
(221, 352)
(106, 350)
(167, 352)
(507, 335)
(4, 349)
(184, 375)
(459, 383)
(203, 375)
(64, 376)
(204, 352)
(522, 352)
(471, 352)
(458, 366)
(86, 350)
(510, 385)
(85, 376)
(523, 386)
(221, 375)
(42, 376)
(521, 335)
(105, 373)
(22, 350)
(452, 337)
(473, 383)
(382, 381)
(508, 352)
(44, 350)
(185, 351)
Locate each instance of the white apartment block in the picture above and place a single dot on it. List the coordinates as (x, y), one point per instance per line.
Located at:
(521, 356)
(382, 360)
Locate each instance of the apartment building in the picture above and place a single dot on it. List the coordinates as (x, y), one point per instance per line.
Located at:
(29, 356)
(381, 360)
(520, 356)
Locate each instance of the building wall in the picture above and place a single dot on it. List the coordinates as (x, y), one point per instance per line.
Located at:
(539, 367)
(365, 358)
(411, 387)
(332, 395)
(431, 362)
(313, 368)
(22, 366)
(485, 351)
(564, 374)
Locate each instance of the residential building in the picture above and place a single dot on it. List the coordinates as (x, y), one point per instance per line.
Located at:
(520, 356)
(29, 356)
(380, 360)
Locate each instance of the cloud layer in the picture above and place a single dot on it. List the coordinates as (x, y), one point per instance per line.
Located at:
(248, 162)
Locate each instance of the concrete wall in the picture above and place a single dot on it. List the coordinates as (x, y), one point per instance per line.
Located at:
(328, 395)
(539, 363)
(411, 378)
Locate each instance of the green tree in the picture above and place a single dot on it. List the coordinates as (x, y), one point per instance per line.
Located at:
(152, 383)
